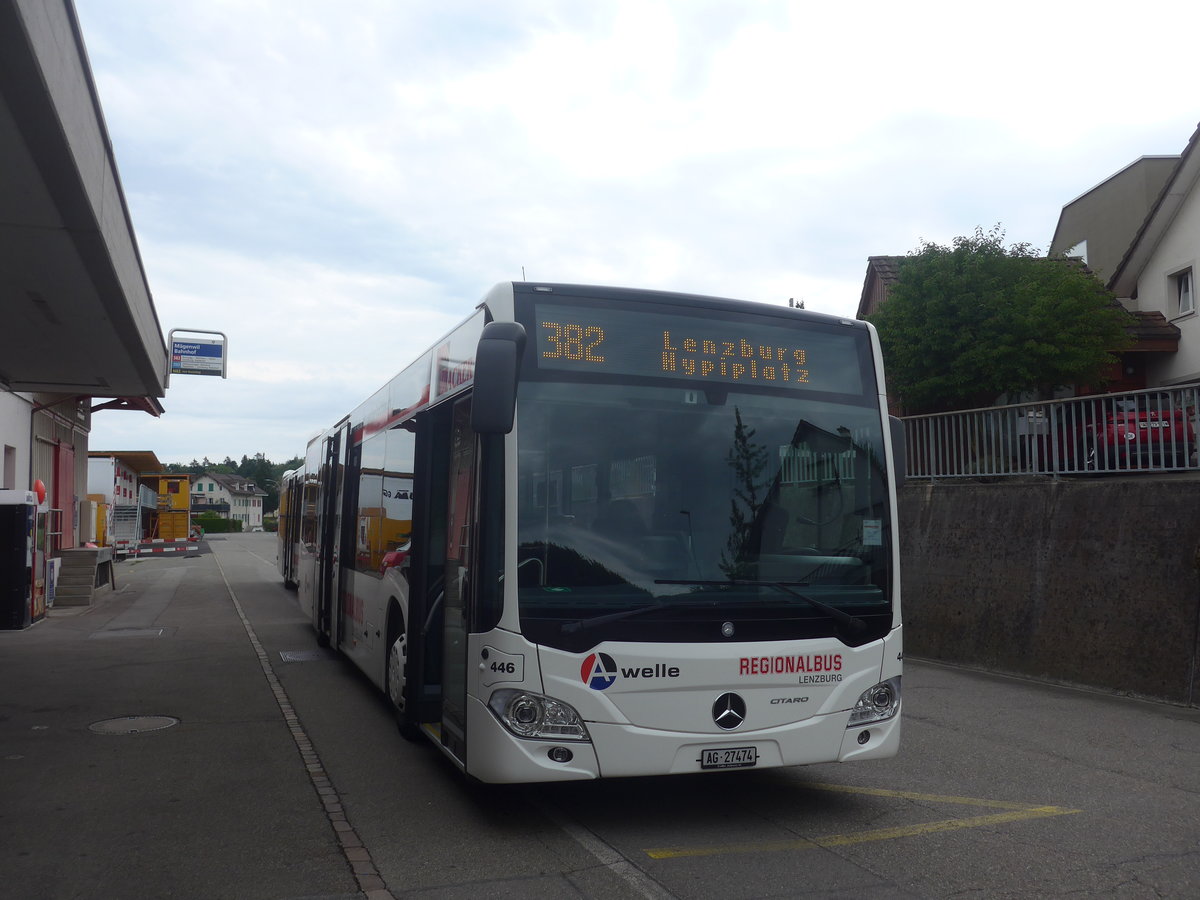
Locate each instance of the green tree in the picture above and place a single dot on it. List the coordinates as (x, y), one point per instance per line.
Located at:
(266, 475)
(257, 468)
(748, 460)
(968, 323)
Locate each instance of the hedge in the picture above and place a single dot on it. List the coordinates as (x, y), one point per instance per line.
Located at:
(216, 525)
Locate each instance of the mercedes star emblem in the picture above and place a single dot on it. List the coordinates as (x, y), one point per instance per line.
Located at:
(729, 711)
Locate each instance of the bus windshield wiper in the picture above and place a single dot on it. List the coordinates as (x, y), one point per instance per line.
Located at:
(585, 624)
(853, 624)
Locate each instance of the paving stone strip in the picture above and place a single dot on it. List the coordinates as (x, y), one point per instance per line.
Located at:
(357, 856)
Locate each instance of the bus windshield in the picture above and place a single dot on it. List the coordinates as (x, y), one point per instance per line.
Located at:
(654, 509)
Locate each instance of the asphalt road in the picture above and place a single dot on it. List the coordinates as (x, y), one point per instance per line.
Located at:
(1003, 788)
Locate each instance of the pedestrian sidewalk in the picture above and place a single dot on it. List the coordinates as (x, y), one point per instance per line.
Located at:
(143, 754)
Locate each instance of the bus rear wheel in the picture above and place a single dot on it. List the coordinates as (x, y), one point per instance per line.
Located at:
(397, 659)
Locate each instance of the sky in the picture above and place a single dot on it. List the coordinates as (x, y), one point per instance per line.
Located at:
(335, 185)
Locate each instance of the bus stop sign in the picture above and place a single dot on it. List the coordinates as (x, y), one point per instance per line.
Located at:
(198, 356)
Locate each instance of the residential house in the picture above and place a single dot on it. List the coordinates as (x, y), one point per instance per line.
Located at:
(231, 497)
(882, 273)
(1140, 231)
(1099, 226)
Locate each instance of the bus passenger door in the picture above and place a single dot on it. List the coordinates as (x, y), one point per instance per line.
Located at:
(327, 609)
(458, 584)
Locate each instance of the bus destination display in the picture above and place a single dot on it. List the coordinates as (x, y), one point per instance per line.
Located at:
(661, 345)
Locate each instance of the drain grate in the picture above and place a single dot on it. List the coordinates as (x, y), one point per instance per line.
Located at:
(305, 655)
(133, 724)
(129, 633)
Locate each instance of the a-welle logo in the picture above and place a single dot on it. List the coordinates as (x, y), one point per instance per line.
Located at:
(599, 671)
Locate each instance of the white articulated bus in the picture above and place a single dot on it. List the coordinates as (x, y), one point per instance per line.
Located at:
(600, 532)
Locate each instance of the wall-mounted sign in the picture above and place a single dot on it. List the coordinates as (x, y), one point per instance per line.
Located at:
(197, 356)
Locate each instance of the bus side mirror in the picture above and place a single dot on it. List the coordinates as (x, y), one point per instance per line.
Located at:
(899, 449)
(497, 368)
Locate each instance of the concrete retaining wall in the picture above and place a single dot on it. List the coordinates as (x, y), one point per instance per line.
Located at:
(1090, 581)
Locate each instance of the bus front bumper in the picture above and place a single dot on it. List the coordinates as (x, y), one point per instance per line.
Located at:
(617, 750)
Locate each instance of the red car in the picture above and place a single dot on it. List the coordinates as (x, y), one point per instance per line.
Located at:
(1145, 431)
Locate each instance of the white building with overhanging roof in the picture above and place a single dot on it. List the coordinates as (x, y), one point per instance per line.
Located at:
(229, 496)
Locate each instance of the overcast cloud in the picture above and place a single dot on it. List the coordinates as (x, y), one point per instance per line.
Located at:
(335, 185)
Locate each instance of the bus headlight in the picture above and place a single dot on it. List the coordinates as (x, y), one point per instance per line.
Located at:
(530, 715)
(876, 703)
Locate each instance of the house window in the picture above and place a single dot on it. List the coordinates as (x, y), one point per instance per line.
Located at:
(1183, 289)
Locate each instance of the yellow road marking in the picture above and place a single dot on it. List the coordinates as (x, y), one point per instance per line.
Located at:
(1016, 812)
(928, 798)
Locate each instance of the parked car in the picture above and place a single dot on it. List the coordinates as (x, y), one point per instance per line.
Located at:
(1142, 431)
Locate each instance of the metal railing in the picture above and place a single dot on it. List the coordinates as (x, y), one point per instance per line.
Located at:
(1143, 431)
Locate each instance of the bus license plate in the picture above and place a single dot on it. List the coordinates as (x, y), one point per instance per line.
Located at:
(728, 758)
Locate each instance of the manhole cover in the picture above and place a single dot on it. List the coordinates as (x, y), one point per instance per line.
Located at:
(133, 724)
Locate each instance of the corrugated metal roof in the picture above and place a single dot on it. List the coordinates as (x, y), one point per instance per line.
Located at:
(140, 461)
